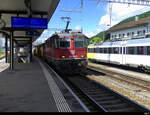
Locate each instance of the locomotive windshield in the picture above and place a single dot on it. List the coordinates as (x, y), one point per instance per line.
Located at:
(80, 42)
(65, 43)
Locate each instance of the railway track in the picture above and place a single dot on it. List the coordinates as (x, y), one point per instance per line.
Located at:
(99, 98)
(124, 77)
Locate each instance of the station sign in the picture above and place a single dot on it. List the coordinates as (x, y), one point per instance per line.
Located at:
(29, 23)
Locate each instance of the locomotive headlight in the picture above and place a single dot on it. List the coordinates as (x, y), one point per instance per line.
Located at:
(82, 56)
(63, 56)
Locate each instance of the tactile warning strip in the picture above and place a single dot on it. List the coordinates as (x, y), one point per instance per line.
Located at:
(60, 101)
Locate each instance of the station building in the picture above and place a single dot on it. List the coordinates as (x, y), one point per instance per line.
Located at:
(139, 28)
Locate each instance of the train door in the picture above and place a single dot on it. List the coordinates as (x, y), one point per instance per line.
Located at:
(124, 54)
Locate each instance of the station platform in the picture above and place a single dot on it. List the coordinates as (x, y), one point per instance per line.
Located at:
(30, 87)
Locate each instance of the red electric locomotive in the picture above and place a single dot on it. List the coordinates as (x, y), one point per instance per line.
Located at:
(67, 51)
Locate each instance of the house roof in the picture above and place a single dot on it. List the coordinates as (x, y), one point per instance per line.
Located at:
(130, 24)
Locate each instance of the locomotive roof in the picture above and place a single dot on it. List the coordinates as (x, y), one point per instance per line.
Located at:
(69, 34)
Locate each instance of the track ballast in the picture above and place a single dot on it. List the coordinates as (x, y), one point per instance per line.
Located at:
(99, 98)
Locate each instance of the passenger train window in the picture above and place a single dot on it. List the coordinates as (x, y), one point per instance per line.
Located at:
(92, 50)
(140, 50)
(102, 50)
(89, 50)
(109, 50)
(105, 50)
(130, 50)
(97, 50)
(148, 50)
(115, 50)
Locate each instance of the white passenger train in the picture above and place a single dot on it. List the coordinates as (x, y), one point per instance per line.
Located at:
(134, 52)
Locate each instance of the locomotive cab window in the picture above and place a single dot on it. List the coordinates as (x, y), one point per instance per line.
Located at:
(80, 42)
(64, 43)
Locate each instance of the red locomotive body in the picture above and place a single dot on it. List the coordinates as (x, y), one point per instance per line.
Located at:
(67, 52)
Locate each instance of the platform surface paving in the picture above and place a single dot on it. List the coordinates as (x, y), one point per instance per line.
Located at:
(26, 89)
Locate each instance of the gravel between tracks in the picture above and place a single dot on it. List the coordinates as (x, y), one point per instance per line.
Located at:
(138, 94)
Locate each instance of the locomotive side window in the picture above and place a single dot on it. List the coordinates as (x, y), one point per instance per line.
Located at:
(148, 50)
(65, 43)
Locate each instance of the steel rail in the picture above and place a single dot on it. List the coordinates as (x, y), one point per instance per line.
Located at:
(125, 77)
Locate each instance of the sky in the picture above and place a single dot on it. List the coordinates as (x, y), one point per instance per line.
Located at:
(94, 16)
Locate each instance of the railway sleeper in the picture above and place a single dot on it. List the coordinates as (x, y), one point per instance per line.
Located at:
(123, 110)
(105, 98)
(103, 95)
(115, 106)
(96, 93)
(108, 102)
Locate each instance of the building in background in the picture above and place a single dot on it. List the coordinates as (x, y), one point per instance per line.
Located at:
(138, 28)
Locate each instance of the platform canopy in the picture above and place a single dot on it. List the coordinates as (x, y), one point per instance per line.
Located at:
(26, 8)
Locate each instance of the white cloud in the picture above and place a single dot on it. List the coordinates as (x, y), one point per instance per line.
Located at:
(94, 32)
(120, 12)
(78, 27)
